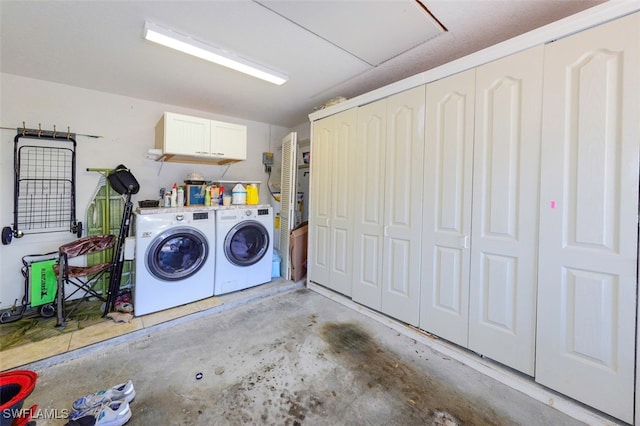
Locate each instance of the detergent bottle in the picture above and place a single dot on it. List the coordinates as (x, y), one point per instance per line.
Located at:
(238, 194)
(252, 194)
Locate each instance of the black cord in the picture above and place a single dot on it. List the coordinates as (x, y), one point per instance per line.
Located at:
(269, 180)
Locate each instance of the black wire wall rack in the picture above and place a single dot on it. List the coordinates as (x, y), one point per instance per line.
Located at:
(44, 193)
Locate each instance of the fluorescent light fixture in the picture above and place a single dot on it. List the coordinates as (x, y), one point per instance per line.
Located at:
(186, 44)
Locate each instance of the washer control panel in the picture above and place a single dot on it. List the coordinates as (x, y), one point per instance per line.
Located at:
(201, 216)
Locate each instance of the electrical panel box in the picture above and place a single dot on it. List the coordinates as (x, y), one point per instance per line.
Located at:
(267, 158)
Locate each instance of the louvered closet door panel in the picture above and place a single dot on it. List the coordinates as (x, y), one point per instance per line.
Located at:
(589, 215)
(319, 256)
(287, 200)
(444, 309)
(369, 178)
(403, 205)
(504, 239)
(341, 213)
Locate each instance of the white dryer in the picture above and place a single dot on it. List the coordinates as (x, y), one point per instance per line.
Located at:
(244, 247)
(174, 258)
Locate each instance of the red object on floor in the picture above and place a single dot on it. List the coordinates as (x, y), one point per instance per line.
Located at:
(15, 387)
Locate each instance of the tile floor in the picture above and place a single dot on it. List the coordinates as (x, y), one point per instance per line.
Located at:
(31, 352)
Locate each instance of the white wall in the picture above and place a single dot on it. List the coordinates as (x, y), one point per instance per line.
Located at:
(127, 126)
(303, 130)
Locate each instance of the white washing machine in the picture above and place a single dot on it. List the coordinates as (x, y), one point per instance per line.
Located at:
(174, 258)
(244, 247)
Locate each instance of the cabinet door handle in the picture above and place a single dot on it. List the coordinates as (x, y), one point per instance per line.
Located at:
(464, 241)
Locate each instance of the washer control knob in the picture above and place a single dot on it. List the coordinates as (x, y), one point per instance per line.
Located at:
(247, 212)
(179, 217)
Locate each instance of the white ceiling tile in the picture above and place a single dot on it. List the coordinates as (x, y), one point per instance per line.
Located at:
(374, 31)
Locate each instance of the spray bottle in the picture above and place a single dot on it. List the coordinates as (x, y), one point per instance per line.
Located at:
(207, 196)
(174, 195)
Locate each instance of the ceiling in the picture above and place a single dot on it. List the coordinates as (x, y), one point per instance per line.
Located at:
(328, 48)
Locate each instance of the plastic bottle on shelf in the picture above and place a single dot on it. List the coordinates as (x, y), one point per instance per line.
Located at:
(174, 195)
(239, 194)
(207, 196)
(252, 194)
(180, 197)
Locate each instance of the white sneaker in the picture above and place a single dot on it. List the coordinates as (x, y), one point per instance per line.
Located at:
(121, 392)
(111, 413)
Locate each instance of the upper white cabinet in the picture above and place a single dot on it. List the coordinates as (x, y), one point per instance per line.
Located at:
(330, 254)
(184, 138)
(228, 140)
(588, 244)
(387, 205)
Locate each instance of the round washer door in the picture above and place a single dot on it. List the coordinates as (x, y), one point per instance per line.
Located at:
(177, 254)
(246, 243)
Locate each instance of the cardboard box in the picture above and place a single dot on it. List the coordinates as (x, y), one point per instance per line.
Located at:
(194, 195)
(298, 252)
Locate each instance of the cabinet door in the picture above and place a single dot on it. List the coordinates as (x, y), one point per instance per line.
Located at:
(504, 236)
(368, 223)
(444, 309)
(589, 217)
(403, 205)
(228, 140)
(186, 135)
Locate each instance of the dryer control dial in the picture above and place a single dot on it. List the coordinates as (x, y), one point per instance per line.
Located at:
(247, 212)
(179, 217)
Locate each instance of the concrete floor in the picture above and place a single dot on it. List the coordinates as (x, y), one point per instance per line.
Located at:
(291, 359)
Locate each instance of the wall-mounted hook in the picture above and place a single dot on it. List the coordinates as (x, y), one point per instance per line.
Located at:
(68, 132)
(24, 129)
(39, 130)
(54, 131)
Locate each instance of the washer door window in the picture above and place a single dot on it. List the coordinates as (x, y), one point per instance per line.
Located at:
(246, 243)
(177, 254)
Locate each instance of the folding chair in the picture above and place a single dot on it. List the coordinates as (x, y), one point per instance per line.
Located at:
(83, 278)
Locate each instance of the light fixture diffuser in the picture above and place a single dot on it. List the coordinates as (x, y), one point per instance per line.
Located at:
(186, 44)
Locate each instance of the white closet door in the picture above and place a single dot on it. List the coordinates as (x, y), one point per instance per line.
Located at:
(368, 225)
(318, 257)
(504, 237)
(342, 189)
(589, 216)
(403, 205)
(287, 200)
(448, 165)
(331, 214)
